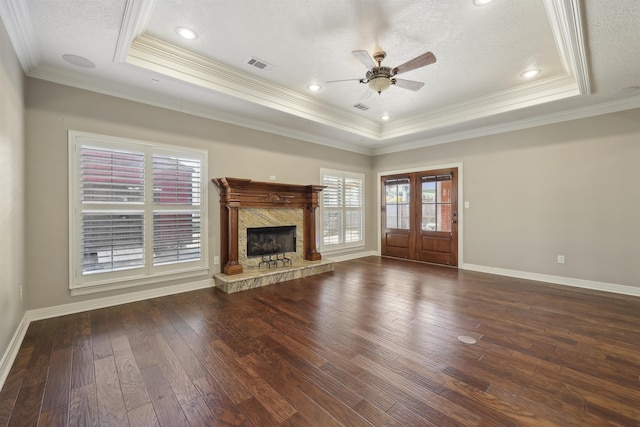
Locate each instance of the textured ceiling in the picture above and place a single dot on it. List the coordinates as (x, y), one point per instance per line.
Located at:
(587, 52)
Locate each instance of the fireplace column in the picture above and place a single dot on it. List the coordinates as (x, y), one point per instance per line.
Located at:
(231, 265)
(310, 251)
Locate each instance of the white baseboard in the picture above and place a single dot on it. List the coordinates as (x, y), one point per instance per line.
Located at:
(12, 350)
(347, 257)
(77, 307)
(558, 280)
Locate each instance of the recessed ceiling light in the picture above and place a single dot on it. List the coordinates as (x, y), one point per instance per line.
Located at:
(530, 73)
(481, 2)
(386, 117)
(78, 61)
(186, 33)
(314, 87)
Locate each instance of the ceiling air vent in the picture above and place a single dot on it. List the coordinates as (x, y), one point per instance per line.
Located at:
(260, 64)
(361, 106)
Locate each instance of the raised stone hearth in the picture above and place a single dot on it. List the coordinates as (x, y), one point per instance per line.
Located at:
(256, 278)
(249, 204)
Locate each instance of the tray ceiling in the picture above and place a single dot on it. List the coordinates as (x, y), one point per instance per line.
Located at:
(586, 52)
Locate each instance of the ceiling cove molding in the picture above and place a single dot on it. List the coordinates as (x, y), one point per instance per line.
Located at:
(17, 20)
(566, 24)
(158, 56)
(169, 103)
(266, 127)
(546, 119)
(565, 18)
(543, 91)
(134, 20)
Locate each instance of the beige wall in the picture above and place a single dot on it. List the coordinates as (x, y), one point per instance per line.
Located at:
(51, 110)
(12, 308)
(565, 189)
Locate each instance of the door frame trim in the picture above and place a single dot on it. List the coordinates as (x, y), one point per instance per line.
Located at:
(461, 207)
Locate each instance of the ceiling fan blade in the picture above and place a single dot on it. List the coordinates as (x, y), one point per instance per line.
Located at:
(408, 84)
(364, 57)
(417, 62)
(344, 80)
(367, 93)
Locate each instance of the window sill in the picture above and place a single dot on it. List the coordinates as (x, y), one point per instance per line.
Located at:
(329, 250)
(85, 289)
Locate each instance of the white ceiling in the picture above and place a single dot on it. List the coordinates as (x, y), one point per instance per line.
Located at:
(588, 52)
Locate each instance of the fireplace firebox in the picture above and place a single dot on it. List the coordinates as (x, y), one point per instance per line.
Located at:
(264, 241)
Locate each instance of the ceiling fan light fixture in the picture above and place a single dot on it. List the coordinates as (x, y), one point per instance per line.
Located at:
(379, 84)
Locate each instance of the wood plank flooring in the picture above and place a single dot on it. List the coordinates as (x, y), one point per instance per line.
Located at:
(372, 343)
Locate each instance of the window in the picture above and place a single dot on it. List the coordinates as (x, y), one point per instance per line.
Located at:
(342, 209)
(137, 211)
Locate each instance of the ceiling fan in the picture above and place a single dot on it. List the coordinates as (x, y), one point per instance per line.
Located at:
(379, 78)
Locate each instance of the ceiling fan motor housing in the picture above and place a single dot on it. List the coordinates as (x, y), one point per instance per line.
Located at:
(379, 78)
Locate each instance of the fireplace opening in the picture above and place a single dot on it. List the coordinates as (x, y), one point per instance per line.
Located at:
(263, 241)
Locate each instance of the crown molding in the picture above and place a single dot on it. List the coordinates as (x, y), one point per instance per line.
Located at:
(161, 57)
(16, 18)
(565, 21)
(136, 14)
(565, 18)
(80, 82)
(566, 25)
(546, 119)
(267, 127)
(544, 91)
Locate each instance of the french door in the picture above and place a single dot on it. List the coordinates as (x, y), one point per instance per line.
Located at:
(420, 216)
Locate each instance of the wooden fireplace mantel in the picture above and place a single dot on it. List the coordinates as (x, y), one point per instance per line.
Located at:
(236, 193)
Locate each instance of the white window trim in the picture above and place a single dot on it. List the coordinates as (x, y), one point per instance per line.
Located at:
(133, 277)
(341, 247)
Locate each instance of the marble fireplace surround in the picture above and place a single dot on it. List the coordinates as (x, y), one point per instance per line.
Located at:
(246, 203)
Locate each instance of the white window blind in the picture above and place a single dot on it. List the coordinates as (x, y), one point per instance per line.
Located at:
(342, 209)
(112, 241)
(176, 232)
(137, 210)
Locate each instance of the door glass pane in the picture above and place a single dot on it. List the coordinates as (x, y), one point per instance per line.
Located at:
(428, 192)
(429, 216)
(444, 191)
(392, 216)
(397, 196)
(436, 203)
(444, 217)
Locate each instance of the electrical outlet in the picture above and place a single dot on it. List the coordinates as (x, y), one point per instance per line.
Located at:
(216, 260)
(560, 259)
(272, 177)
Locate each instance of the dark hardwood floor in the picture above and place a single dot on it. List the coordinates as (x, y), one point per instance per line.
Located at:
(373, 343)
